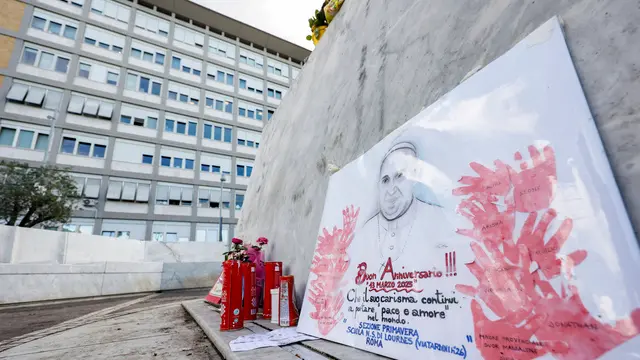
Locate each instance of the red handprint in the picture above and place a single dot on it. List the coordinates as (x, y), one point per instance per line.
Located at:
(330, 263)
(489, 224)
(489, 337)
(587, 338)
(546, 255)
(534, 189)
(503, 287)
(487, 183)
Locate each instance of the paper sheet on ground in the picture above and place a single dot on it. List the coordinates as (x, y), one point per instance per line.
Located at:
(277, 337)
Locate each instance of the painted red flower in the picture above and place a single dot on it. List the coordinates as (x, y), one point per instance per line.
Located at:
(262, 241)
(236, 241)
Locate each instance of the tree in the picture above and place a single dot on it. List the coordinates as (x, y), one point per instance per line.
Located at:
(31, 196)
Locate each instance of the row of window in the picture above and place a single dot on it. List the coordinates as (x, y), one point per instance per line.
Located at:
(102, 73)
(132, 191)
(118, 15)
(82, 148)
(103, 109)
(24, 139)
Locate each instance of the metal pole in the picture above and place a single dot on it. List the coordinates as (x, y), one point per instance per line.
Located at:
(222, 180)
(53, 132)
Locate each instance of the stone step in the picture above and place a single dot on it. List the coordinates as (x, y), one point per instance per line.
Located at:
(208, 318)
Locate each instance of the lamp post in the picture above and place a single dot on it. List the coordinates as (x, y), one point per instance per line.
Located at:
(222, 180)
(53, 131)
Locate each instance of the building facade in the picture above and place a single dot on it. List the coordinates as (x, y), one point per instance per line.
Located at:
(148, 104)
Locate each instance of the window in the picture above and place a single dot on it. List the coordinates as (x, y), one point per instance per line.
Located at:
(165, 161)
(135, 82)
(192, 129)
(186, 69)
(62, 65)
(270, 92)
(229, 79)
(147, 159)
(38, 23)
(70, 32)
(204, 167)
(188, 37)
(251, 59)
(84, 149)
(152, 122)
(125, 119)
(147, 56)
(103, 39)
(227, 135)
(42, 142)
(216, 169)
(242, 111)
(278, 94)
(159, 58)
(249, 170)
(241, 142)
(136, 53)
(6, 136)
(181, 128)
(168, 125)
(243, 84)
(152, 24)
(55, 27)
(207, 131)
(240, 170)
(138, 122)
(25, 138)
(68, 145)
(144, 84)
(112, 78)
(173, 95)
(175, 63)
(29, 56)
(221, 48)
(84, 70)
(83, 105)
(109, 233)
(239, 201)
(111, 10)
(269, 114)
(99, 151)
(34, 95)
(177, 162)
(156, 88)
(188, 164)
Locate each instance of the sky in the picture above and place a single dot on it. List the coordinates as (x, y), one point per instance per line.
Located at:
(287, 19)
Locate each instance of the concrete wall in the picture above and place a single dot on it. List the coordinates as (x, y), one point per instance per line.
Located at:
(381, 62)
(45, 265)
(29, 246)
(37, 282)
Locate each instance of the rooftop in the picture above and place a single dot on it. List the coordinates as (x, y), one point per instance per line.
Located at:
(201, 16)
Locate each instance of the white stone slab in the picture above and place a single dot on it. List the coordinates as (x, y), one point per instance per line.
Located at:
(83, 248)
(37, 246)
(22, 288)
(130, 283)
(136, 267)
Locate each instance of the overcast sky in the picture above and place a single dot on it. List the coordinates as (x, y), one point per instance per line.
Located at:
(287, 19)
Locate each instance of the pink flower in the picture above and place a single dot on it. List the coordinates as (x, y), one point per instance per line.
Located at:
(236, 241)
(262, 241)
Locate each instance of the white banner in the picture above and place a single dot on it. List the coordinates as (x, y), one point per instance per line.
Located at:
(488, 226)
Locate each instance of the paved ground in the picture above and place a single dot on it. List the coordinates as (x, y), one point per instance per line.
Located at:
(149, 326)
